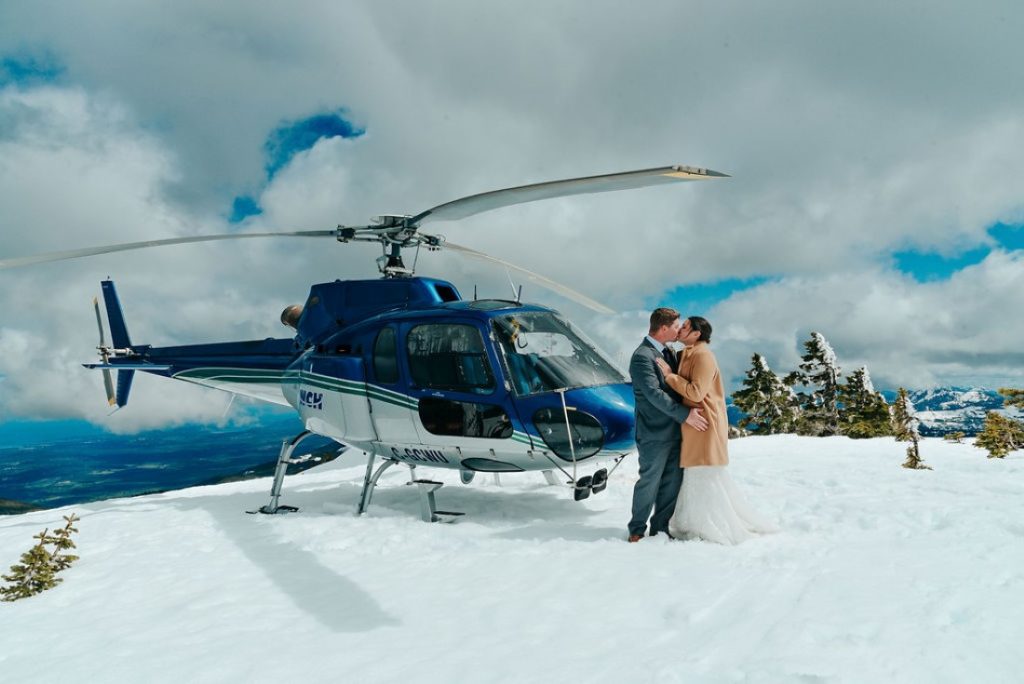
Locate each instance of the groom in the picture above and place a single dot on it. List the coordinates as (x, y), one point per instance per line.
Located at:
(659, 414)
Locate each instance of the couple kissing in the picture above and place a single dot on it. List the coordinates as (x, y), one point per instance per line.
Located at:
(682, 434)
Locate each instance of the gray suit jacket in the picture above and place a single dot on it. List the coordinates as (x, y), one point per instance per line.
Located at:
(658, 411)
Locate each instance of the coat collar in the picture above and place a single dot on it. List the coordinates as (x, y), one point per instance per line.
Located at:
(654, 344)
(696, 348)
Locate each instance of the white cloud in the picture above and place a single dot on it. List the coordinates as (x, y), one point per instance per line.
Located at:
(849, 131)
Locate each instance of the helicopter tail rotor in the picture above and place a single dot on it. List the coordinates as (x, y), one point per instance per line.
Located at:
(121, 346)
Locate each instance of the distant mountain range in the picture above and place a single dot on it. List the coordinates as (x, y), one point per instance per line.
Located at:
(941, 410)
(955, 409)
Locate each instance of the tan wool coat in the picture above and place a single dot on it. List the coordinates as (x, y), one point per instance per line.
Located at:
(699, 383)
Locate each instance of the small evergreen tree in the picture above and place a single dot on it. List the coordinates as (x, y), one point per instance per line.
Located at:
(864, 412)
(39, 566)
(1012, 397)
(62, 544)
(765, 399)
(904, 428)
(819, 371)
(34, 574)
(1000, 435)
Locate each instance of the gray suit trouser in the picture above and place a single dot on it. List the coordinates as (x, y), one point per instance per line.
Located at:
(658, 486)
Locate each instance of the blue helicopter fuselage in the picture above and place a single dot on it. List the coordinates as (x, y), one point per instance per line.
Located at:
(406, 369)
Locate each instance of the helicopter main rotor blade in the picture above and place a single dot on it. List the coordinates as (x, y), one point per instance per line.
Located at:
(555, 286)
(628, 180)
(125, 246)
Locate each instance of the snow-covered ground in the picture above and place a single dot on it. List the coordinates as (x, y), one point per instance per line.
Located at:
(881, 574)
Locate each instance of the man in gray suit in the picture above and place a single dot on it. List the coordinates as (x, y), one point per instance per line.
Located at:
(659, 413)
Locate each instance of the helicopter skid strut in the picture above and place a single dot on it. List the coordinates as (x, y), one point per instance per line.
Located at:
(428, 504)
(284, 459)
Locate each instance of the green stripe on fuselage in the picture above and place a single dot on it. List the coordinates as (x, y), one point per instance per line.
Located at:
(264, 376)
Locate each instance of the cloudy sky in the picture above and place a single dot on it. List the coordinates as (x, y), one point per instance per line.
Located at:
(874, 149)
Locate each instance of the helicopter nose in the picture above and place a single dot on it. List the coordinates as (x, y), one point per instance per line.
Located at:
(612, 405)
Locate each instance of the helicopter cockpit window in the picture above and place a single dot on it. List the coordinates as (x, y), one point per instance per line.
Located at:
(544, 353)
(385, 357)
(451, 357)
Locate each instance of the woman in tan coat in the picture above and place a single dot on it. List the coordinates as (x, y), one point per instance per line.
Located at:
(709, 504)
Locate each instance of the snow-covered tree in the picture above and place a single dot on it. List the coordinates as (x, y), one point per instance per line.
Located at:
(864, 412)
(819, 374)
(1000, 435)
(904, 428)
(904, 418)
(766, 400)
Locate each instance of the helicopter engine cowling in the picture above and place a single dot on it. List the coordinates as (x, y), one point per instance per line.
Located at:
(291, 315)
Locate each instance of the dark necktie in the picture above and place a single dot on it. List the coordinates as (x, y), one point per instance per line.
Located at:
(670, 358)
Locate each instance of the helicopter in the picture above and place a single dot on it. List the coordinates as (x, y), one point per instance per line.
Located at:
(407, 370)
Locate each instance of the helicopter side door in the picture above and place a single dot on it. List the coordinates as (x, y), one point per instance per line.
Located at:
(463, 408)
(391, 409)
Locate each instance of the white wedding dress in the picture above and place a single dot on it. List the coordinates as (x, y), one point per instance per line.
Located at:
(711, 507)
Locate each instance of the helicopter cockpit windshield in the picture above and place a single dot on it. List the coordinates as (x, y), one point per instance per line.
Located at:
(543, 353)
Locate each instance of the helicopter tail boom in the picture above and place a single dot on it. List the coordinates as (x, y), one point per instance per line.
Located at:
(253, 368)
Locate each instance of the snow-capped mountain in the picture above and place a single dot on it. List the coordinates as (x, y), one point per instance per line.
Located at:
(941, 410)
(955, 409)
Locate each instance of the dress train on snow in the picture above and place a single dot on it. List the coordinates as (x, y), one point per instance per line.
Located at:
(711, 507)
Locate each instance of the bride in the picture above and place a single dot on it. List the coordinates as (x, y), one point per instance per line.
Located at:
(709, 505)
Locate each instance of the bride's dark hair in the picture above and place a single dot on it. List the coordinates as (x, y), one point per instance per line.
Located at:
(701, 324)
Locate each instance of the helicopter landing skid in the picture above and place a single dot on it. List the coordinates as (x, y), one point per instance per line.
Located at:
(428, 506)
(284, 459)
(370, 481)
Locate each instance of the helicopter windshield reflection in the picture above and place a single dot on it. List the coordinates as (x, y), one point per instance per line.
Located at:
(543, 353)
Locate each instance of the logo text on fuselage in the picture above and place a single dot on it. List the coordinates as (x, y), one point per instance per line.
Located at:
(311, 399)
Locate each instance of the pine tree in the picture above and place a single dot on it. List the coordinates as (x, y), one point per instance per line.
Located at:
(34, 574)
(765, 399)
(819, 372)
(904, 418)
(62, 543)
(904, 428)
(38, 567)
(864, 412)
(1012, 397)
(1000, 435)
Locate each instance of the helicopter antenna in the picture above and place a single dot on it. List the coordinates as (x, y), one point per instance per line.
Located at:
(519, 295)
(474, 292)
(510, 282)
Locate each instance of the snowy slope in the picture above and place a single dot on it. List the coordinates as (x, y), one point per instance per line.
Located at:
(879, 574)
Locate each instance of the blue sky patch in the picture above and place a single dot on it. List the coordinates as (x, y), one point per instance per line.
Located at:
(297, 136)
(28, 70)
(698, 299)
(1009, 237)
(243, 207)
(930, 266)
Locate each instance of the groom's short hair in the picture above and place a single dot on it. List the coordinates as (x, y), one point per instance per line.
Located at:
(662, 316)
